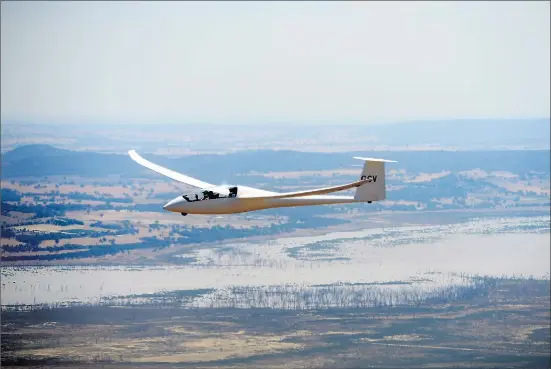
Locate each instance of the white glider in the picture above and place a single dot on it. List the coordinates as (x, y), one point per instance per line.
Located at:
(212, 199)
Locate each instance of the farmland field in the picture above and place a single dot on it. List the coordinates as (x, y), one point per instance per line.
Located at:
(451, 270)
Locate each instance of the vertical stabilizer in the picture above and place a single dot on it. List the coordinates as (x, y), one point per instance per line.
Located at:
(374, 172)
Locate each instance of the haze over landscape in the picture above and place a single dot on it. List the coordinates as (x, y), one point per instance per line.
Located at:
(450, 270)
(273, 62)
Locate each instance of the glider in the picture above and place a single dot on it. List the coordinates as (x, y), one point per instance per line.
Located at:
(213, 199)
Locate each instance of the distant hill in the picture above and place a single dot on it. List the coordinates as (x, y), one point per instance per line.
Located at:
(33, 151)
(45, 160)
(464, 134)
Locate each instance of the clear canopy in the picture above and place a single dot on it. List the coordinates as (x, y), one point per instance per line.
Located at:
(211, 195)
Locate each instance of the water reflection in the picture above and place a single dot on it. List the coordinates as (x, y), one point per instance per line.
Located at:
(425, 256)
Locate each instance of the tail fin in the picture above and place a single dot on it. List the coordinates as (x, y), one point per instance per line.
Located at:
(374, 172)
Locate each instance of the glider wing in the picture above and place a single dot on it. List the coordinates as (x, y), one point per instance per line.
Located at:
(319, 191)
(169, 173)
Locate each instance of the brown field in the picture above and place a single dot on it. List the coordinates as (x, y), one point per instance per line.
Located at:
(444, 200)
(391, 173)
(139, 188)
(10, 242)
(426, 177)
(166, 218)
(42, 227)
(474, 174)
(97, 202)
(503, 174)
(95, 241)
(39, 253)
(540, 187)
(509, 324)
(9, 220)
(358, 220)
(19, 216)
(308, 173)
(142, 188)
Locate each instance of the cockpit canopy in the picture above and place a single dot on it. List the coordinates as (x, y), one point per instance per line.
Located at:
(211, 195)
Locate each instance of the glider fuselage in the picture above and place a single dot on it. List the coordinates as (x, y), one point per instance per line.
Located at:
(241, 205)
(212, 199)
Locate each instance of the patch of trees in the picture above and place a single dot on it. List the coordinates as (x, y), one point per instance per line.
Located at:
(41, 211)
(64, 221)
(102, 197)
(33, 247)
(10, 195)
(298, 251)
(90, 251)
(114, 226)
(343, 296)
(336, 299)
(33, 238)
(183, 236)
(427, 191)
(55, 210)
(7, 232)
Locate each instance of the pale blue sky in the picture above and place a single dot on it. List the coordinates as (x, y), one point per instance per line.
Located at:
(247, 62)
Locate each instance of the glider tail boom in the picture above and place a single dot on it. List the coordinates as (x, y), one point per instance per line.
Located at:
(374, 173)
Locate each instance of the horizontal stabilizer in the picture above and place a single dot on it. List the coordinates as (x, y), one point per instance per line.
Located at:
(375, 159)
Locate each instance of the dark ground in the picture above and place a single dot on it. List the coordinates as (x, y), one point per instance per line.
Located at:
(507, 326)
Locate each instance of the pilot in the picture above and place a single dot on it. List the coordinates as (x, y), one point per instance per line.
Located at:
(187, 198)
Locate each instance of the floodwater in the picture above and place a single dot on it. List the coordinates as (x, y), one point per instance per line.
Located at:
(423, 255)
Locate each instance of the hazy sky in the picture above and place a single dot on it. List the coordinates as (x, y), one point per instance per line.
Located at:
(265, 62)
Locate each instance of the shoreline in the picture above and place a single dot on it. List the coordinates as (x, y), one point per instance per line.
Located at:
(433, 255)
(164, 257)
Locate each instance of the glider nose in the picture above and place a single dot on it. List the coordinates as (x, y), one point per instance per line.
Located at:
(173, 205)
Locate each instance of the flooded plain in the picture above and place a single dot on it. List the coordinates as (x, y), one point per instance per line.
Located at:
(422, 257)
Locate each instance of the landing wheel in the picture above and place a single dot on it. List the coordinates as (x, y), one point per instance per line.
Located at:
(369, 202)
(183, 214)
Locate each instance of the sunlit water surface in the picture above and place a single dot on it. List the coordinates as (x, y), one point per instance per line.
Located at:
(426, 256)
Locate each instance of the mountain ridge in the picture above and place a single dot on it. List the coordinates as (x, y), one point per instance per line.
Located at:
(46, 160)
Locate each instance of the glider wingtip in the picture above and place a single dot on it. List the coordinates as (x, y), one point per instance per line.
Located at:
(134, 155)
